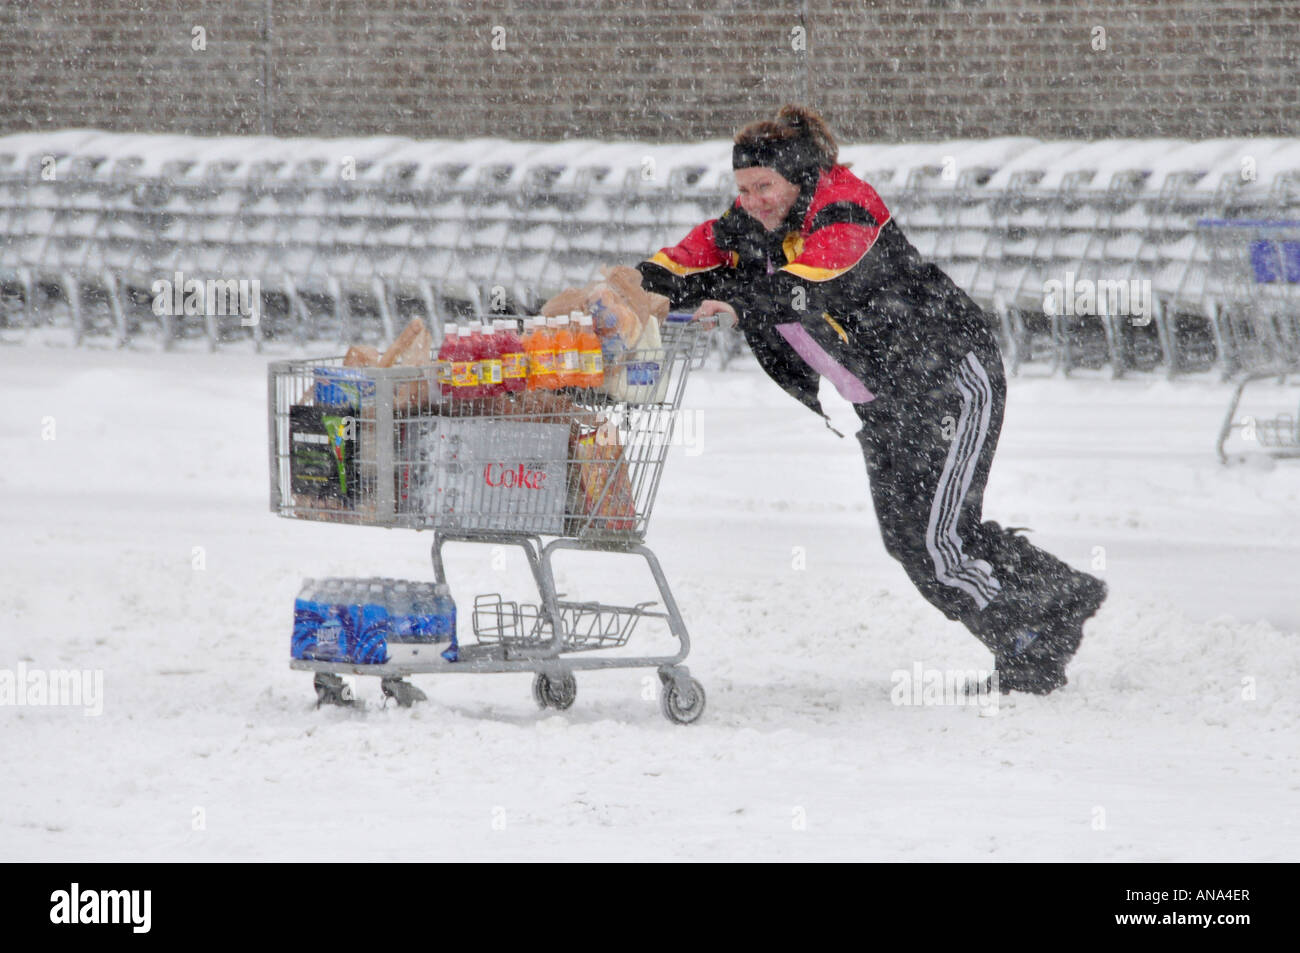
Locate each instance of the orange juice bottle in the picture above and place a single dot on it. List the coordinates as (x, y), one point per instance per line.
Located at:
(568, 373)
(550, 381)
(526, 342)
(590, 359)
(541, 357)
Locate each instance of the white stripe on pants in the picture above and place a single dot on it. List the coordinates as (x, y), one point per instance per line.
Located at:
(951, 566)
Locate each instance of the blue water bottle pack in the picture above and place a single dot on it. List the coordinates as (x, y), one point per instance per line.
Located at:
(423, 621)
(373, 621)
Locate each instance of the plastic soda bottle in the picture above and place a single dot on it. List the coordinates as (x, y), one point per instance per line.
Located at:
(548, 327)
(464, 370)
(567, 368)
(590, 357)
(444, 361)
(548, 331)
(476, 348)
(526, 339)
(514, 360)
(541, 357)
(490, 371)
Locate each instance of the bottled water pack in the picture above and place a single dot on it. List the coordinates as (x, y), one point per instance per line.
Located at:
(373, 621)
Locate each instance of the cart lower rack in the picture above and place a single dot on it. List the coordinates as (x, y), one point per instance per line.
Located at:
(581, 466)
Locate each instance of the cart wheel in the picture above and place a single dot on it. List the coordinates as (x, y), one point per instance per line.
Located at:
(558, 693)
(680, 708)
(401, 691)
(332, 690)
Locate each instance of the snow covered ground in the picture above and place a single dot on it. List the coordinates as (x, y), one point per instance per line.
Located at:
(1176, 739)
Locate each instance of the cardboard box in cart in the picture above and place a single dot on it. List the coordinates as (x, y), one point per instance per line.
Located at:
(322, 454)
(475, 473)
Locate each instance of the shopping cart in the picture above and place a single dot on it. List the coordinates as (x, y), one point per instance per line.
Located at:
(578, 465)
(1254, 272)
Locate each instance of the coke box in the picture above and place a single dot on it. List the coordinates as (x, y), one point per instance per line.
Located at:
(476, 473)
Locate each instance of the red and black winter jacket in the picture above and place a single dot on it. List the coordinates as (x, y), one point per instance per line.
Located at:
(840, 274)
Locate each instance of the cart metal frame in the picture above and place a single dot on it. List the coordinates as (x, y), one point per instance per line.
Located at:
(557, 632)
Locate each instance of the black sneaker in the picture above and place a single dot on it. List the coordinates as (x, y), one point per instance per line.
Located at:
(1035, 662)
(1082, 598)
(1026, 667)
(1029, 666)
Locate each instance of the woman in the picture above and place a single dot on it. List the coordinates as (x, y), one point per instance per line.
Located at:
(810, 263)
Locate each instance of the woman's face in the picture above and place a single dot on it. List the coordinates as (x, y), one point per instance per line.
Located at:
(766, 194)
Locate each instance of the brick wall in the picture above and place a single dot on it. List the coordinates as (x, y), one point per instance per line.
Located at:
(881, 70)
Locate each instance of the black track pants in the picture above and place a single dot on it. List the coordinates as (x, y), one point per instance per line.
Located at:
(928, 457)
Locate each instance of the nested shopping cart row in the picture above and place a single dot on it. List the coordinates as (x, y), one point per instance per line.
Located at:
(347, 238)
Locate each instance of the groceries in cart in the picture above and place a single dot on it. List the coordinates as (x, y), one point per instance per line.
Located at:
(373, 622)
(543, 428)
(604, 337)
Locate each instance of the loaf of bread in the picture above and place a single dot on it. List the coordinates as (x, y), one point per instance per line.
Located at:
(362, 355)
(570, 299)
(627, 282)
(411, 347)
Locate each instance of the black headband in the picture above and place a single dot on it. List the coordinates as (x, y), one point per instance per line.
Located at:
(796, 159)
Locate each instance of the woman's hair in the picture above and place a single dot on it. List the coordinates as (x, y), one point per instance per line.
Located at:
(792, 123)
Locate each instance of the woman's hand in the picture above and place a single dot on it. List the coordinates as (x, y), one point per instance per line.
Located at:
(707, 314)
